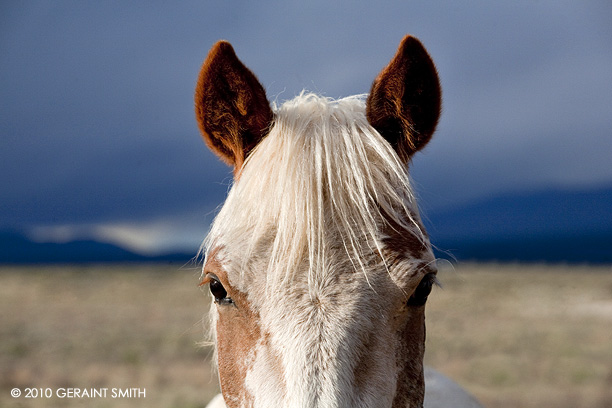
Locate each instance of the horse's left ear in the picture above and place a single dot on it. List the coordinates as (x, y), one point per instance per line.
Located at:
(231, 106)
(404, 102)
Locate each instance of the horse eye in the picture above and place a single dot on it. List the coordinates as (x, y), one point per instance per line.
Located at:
(419, 297)
(218, 291)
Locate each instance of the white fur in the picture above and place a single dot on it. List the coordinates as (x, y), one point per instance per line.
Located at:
(440, 392)
(302, 234)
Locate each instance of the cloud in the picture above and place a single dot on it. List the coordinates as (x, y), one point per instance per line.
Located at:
(97, 111)
(180, 233)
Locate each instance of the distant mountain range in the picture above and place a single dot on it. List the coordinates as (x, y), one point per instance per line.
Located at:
(15, 248)
(544, 226)
(547, 226)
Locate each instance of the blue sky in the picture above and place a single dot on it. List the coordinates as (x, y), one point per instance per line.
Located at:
(98, 136)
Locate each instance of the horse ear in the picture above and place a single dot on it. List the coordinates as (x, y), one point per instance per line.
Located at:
(404, 102)
(231, 107)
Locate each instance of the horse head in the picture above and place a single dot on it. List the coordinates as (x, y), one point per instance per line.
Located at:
(318, 262)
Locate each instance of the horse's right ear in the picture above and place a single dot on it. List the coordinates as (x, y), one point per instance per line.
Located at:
(231, 107)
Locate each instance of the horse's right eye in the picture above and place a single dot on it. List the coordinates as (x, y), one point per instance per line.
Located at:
(218, 291)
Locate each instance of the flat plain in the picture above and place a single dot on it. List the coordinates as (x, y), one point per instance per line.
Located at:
(514, 335)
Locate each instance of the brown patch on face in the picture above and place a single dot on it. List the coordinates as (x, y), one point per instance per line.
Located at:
(238, 333)
(409, 356)
(409, 323)
(404, 335)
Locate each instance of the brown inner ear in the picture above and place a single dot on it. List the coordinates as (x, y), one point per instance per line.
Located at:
(232, 110)
(404, 102)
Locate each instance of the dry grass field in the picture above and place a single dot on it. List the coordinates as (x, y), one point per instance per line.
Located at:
(516, 336)
(525, 336)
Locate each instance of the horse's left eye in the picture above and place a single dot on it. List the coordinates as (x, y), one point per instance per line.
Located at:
(420, 294)
(218, 291)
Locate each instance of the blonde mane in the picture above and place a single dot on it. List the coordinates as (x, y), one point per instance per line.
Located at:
(322, 177)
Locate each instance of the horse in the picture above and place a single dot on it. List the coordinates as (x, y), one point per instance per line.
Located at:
(318, 262)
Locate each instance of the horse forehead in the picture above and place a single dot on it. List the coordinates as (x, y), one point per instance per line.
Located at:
(406, 260)
(341, 287)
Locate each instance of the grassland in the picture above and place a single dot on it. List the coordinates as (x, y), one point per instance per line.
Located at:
(516, 336)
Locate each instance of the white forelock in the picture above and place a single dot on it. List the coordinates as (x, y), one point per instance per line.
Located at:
(322, 178)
